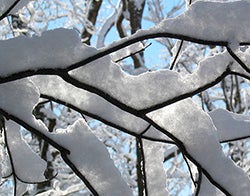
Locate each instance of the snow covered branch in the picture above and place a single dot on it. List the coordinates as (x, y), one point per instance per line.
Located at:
(154, 109)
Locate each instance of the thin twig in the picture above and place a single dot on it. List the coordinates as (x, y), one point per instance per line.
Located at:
(176, 56)
(133, 53)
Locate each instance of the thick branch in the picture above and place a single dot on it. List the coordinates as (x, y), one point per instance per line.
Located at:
(104, 120)
(140, 36)
(150, 121)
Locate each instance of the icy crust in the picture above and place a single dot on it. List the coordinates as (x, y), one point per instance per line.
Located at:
(92, 159)
(55, 87)
(149, 88)
(57, 48)
(206, 20)
(28, 166)
(194, 128)
(230, 126)
(155, 173)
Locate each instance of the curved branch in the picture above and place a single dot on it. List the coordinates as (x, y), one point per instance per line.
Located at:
(137, 37)
(182, 148)
(114, 101)
(185, 95)
(106, 121)
(122, 106)
(25, 182)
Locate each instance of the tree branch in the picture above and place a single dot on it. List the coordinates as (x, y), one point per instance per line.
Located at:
(137, 37)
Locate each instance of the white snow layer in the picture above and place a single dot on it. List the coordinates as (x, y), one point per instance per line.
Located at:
(56, 87)
(21, 187)
(194, 128)
(155, 173)
(19, 98)
(92, 159)
(154, 87)
(28, 166)
(230, 126)
(207, 188)
(6, 4)
(57, 48)
(84, 147)
(61, 48)
(59, 89)
(207, 20)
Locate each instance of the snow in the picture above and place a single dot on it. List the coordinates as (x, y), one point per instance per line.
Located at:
(194, 128)
(109, 77)
(96, 106)
(230, 126)
(6, 4)
(156, 177)
(28, 166)
(92, 159)
(21, 187)
(137, 91)
(199, 132)
(19, 5)
(57, 48)
(206, 187)
(206, 20)
(27, 95)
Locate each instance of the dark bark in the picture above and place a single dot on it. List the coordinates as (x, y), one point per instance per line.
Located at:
(92, 17)
(135, 24)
